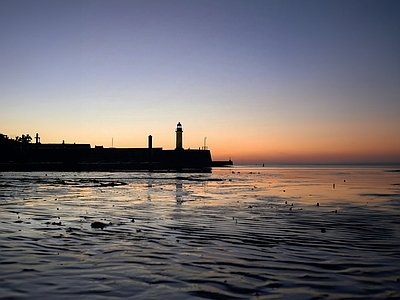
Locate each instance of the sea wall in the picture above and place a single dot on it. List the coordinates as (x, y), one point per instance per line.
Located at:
(32, 157)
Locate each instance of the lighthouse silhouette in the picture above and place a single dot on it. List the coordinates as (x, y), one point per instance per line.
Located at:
(179, 132)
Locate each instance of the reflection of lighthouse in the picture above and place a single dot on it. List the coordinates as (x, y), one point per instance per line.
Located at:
(179, 136)
(178, 194)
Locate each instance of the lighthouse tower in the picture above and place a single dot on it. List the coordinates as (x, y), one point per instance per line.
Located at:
(179, 136)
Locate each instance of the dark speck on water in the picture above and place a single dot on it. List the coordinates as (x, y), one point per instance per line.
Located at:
(271, 250)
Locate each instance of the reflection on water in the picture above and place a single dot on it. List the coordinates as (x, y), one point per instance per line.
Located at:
(236, 233)
(178, 191)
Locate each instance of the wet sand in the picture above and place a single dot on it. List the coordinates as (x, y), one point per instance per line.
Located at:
(238, 233)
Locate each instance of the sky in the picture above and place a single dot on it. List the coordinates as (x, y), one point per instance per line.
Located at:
(271, 81)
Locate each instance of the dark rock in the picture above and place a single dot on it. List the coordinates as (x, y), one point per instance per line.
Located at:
(98, 225)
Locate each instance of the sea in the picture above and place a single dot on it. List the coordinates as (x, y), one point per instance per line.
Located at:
(242, 232)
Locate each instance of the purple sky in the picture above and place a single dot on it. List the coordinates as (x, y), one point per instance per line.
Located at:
(273, 81)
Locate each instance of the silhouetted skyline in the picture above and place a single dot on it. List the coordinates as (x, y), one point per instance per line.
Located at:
(264, 81)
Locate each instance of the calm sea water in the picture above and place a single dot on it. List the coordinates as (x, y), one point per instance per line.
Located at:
(237, 233)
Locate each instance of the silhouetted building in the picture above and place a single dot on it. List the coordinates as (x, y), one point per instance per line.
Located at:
(25, 156)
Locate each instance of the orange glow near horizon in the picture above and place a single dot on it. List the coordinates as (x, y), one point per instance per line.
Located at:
(367, 148)
(280, 146)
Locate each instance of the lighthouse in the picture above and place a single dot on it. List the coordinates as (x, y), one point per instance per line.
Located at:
(179, 136)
